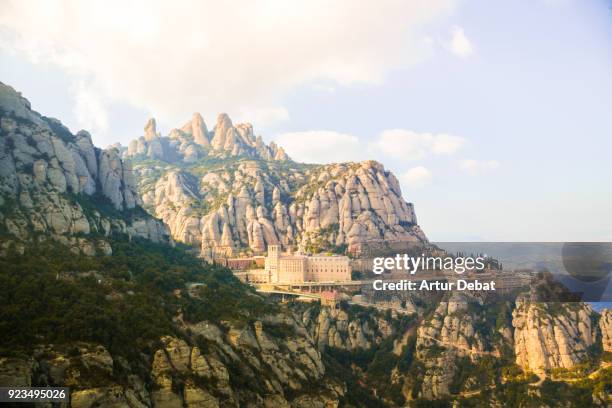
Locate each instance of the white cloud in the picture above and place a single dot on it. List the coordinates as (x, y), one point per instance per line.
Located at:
(410, 145)
(324, 88)
(417, 177)
(264, 116)
(459, 44)
(478, 167)
(173, 58)
(89, 108)
(446, 144)
(321, 146)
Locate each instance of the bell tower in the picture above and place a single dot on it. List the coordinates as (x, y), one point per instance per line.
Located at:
(272, 261)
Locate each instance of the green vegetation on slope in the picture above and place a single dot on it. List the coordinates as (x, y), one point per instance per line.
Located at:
(125, 301)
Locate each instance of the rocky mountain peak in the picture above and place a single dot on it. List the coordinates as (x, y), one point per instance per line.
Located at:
(150, 130)
(224, 132)
(223, 121)
(197, 128)
(13, 103)
(193, 141)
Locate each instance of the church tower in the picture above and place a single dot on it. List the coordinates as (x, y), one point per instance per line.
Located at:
(272, 261)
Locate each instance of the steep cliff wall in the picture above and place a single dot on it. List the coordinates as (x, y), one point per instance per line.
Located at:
(341, 329)
(251, 204)
(605, 325)
(55, 184)
(461, 332)
(552, 335)
(208, 367)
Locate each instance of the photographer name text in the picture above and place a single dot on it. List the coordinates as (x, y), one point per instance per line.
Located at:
(412, 265)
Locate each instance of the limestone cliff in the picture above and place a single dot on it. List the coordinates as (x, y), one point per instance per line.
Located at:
(605, 325)
(247, 205)
(552, 335)
(459, 329)
(207, 366)
(335, 327)
(225, 190)
(460, 344)
(52, 179)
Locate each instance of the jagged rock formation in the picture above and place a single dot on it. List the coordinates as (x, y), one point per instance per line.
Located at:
(552, 335)
(210, 367)
(47, 173)
(193, 142)
(450, 324)
(332, 327)
(251, 204)
(444, 327)
(57, 185)
(240, 204)
(451, 333)
(605, 325)
(539, 337)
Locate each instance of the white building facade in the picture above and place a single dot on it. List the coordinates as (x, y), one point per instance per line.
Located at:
(290, 268)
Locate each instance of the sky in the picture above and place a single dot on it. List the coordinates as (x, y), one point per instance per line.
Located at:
(494, 116)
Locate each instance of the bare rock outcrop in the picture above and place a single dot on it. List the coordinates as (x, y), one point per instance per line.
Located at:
(552, 335)
(605, 325)
(197, 128)
(193, 141)
(250, 365)
(333, 327)
(448, 335)
(84, 367)
(58, 184)
(249, 205)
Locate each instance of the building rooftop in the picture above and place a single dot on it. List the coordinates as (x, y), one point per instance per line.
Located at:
(293, 257)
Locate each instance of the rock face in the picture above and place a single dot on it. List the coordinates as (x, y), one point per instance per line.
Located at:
(332, 327)
(554, 335)
(225, 190)
(47, 176)
(209, 367)
(605, 325)
(251, 204)
(193, 142)
(86, 368)
(538, 337)
(453, 332)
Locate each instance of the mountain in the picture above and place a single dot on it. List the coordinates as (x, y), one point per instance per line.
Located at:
(97, 296)
(124, 331)
(471, 347)
(58, 185)
(463, 351)
(227, 192)
(193, 141)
